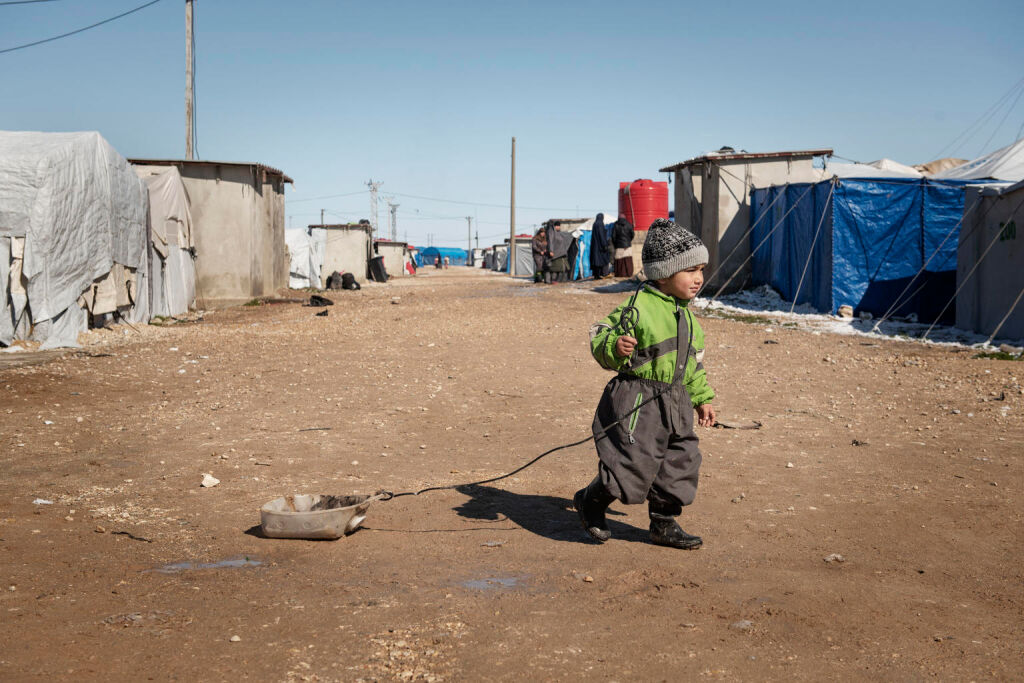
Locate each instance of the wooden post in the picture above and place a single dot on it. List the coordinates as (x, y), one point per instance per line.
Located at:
(189, 59)
(512, 217)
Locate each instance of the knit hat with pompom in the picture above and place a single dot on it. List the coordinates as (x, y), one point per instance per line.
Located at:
(670, 248)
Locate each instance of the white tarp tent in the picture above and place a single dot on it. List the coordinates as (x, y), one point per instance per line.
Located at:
(1003, 164)
(901, 170)
(883, 168)
(172, 265)
(73, 236)
(307, 258)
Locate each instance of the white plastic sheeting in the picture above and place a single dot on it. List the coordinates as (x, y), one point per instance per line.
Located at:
(307, 258)
(77, 209)
(172, 246)
(1003, 164)
(894, 166)
(883, 168)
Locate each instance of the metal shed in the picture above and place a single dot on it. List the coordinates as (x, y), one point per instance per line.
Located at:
(712, 198)
(238, 217)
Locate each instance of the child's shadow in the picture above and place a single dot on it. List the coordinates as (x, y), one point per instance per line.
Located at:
(545, 516)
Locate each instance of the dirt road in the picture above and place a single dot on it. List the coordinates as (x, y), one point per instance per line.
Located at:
(904, 460)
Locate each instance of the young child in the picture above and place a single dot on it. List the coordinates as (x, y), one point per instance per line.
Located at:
(652, 455)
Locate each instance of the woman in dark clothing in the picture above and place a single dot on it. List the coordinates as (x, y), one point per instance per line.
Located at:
(558, 252)
(600, 248)
(539, 246)
(622, 241)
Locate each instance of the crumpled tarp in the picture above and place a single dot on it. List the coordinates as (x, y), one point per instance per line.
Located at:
(307, 258)
(172, 246)
(80, 209)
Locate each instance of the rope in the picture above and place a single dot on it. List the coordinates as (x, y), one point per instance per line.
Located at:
(810, 252)
(1005, 317)
(594, 437)
(754, 250)
(970, 273)
(749, 230)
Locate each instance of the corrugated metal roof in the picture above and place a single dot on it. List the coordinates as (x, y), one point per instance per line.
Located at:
(744, 156)
(270, 170)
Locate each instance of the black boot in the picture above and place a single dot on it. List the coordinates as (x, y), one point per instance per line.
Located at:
(590, 503)
(666, 531)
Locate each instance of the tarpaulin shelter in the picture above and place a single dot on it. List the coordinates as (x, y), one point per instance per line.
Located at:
(73, 236)
(990, 263)
(860, 242)
(525, 266)
(172, 250)
(456, 256)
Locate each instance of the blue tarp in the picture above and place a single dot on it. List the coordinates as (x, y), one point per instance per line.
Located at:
(426, 256)
(581, 266)
(874, 237)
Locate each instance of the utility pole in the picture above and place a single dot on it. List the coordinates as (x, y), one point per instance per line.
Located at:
(321, 217)
(394, 220)
(373, 206)
(469, 240)
(189, 78)
(478, 238)
(512, 217)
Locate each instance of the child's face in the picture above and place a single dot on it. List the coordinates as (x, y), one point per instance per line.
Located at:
(685, 284)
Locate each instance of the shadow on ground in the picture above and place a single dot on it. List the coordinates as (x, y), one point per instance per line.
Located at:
(618, 286)
(546, 516)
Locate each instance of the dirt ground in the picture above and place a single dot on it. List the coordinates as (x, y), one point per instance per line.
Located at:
(903, 459)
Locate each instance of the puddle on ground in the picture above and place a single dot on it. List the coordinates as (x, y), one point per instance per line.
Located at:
(492, 583)
(233, 563)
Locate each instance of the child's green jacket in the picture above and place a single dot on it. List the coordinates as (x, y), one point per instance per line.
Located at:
(655, 354)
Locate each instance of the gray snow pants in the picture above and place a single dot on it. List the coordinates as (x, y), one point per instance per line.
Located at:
(653, 454)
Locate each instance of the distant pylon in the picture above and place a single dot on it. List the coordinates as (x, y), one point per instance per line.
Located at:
(373, 206)
(394, 219)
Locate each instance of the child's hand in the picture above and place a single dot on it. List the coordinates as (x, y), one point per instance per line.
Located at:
(624, 346)
(706, 415)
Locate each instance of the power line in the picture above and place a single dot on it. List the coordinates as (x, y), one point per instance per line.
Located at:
(23, 2)
(71, 33)
(328, 196)
(999, 125)
(493, 206)
(981, 120)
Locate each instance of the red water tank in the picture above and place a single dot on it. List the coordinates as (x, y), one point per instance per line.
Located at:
(642, 201)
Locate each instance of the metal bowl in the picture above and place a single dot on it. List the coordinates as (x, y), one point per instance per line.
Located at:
(306, 515)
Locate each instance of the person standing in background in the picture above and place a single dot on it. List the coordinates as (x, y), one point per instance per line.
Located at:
(600, 248)
(558, 251)
(539, 246)
(622, 242)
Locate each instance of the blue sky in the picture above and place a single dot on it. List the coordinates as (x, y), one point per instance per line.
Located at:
(425, 96)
